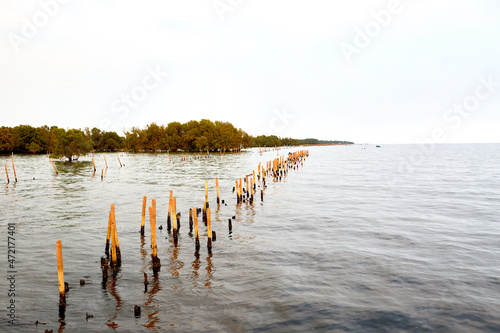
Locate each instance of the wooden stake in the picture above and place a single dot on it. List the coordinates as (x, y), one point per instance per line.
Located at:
(174, 216)
(248, 193)
(93, 163)
(106, 249)
(13, 168)
(217, 185)
(206, 191)
(143, 220)
(154, 255)
(115, 245)
(251, 189)
(169, 216)
(60, 275)
(196, 236)
(209, 232)
(8, 180)
(119, 159)
(241, 190)
(50, 162)
(153, 232)
(102, 174)
(237, 192)
(105, 160)
(253, 184)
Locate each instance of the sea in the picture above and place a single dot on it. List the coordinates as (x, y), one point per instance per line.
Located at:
(356, 238)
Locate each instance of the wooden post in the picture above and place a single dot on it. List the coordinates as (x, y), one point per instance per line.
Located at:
(209, 232)
(50, 162)
(248, 193)
(105, 160)
(196, 236)
(241, 190)
(217, 185)
(174, 218)
(237, 192)
(13, 168)
(60, 275)
(143, 220)
(119, 159)
(169, 216)
(114, 234)
(8, 180)
(154, 254)
(106, 249)
(253, 183)
(102, 174)
(251, 189)
(93, 163)
(191, 212)
(113, 242)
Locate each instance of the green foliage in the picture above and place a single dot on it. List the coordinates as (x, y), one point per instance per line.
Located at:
(191, 136)
(72, 143)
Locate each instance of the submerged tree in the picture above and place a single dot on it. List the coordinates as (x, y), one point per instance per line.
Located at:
(72, 143)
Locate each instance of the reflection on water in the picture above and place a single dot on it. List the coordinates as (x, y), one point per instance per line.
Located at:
(111, 286)
(152, 304)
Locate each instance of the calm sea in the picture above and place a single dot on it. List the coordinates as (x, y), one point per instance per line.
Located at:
(358, 239)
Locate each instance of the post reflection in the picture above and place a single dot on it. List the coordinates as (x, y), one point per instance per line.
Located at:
(111, 287)
(153, 318)
(210, 271)
(175, 264)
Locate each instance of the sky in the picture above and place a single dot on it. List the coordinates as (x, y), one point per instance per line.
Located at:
(407, 71)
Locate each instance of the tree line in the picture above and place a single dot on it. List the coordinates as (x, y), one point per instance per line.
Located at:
(194, 135)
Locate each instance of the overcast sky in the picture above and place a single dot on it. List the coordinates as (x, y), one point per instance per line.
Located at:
(366, 71)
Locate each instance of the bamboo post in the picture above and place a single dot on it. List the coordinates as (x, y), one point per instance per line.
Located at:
(253, 184)
(248, 193)
(60, 275)
(50, 162)
(93, 163)
(8, 180)
(154, 254)
(217, 185)
(169, 216)
(206, 193)
(113, 242)
(106, 249)
(174, 219)
(105, 160)
(237, 192)
(196, 236)
(241, 190)
(190, 220)
(119, 160)
(209, 232)
(114, 234)
(13, 168)
(143, 219)
(251, 190)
